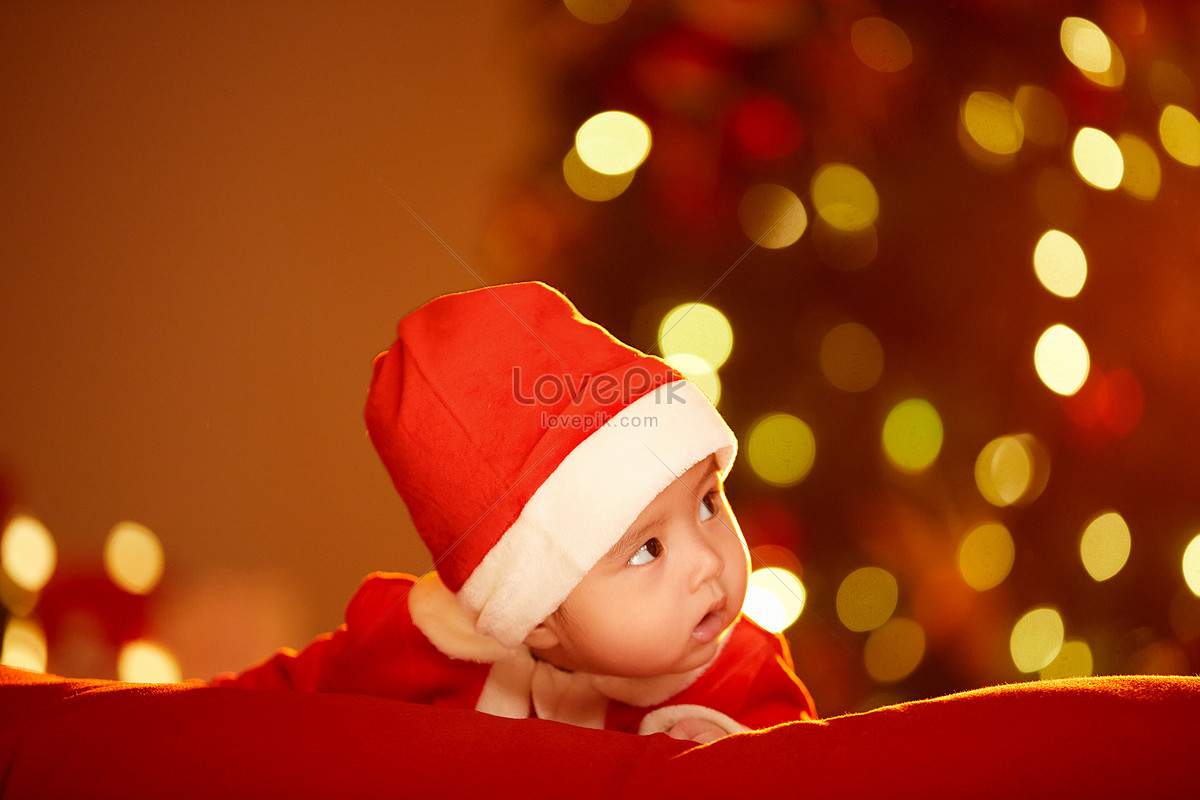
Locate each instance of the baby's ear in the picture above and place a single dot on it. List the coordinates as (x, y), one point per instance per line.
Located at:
(543, 637)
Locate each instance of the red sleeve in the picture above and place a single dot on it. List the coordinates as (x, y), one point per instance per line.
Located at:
(378, 651)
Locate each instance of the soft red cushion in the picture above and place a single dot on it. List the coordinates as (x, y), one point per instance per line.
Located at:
(1099, 737)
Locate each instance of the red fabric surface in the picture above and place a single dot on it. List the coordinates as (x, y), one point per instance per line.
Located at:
(1098, 737)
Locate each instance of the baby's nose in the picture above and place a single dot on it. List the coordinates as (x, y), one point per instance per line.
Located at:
(709, 562)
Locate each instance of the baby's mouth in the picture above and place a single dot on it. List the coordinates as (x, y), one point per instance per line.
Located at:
(711, 624)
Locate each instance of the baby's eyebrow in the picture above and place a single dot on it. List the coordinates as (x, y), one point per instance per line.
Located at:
(635, 537)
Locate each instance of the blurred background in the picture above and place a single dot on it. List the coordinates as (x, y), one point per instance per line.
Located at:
(938, 264)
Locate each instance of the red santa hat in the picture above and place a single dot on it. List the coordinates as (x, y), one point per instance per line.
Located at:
(524, 440)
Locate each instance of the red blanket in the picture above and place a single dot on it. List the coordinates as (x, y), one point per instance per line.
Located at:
(1098, 737)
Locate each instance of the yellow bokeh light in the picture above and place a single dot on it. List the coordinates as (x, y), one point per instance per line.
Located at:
(613, 142)
(597, 12)
(697, 329)
(772, 216)
(1074, 660)
(894, 650)
(1060, 264)
(985, 556)
(781, 449)
(844, 250)
(851, 357)
(1042, 115)
(1179, 131)
(1191, 565)
(1085, 45)
(881, 44)
(1170, 86)
(774, 598)
(1114, 76)
(142, 661)
(699, 372)
(23, 645)
(866, 598)
(1036, 639)
(27, 553)
(993, 123)
(133, 557)
(1143, 174)
(1061, 359)
(1104, 546)
(912, 435)
(1097, 158)
(1004, 470)
(844, 197)
(590, 184)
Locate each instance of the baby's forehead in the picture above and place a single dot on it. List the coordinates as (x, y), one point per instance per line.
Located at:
(678, 499)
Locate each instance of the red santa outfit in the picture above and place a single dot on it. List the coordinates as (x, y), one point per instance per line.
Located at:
(407, 640)
(525, 440)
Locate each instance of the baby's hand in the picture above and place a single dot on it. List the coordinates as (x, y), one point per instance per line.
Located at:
(696, 729)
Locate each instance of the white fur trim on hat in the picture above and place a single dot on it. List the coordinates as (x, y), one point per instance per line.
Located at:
(585, 506)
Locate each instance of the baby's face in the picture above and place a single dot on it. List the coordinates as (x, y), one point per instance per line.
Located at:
(658, 602)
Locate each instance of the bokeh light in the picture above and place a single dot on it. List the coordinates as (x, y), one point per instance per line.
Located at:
(986, 555)
(27, 552)
(1169, 85)
(597, 12)
(844, 250)
(1143, 174)
(142, 661)
(881, 44)
(1085, 45)
(1104, 546)
(1042, 116)
(866, 598)
(1012, 469)
(699, 372)
(133, 557)
(1074, 660)
(23, 645)
(894, 649)
(912, 435)
(851, 357)
(772, 216)
(1191, 565)
(781, 449)
(993, 123)
(1036, 639)
(1184, 615)
(1060, 264)
(1114, 76)
(1097, 158)
(774, 598)
(696, 329)
(613, 142)
(1111, 401)
(1061, 359)
(1179, 132)
(590, 184)
(844, 197)
(767, 128)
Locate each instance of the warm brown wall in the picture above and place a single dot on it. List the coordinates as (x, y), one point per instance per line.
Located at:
(198, 266)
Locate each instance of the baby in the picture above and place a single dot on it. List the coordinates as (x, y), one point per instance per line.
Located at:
(587, 566)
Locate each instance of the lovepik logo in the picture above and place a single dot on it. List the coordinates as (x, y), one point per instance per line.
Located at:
(550, 389)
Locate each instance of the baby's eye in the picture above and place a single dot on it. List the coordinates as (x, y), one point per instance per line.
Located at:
(708, 507)
(646, 553)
